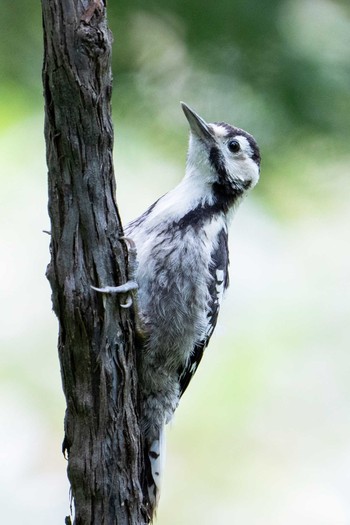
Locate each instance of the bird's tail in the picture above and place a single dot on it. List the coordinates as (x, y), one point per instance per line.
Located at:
(154, 458)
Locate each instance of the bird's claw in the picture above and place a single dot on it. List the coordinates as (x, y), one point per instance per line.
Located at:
(129, 288)
(125, 288)
(128, 302)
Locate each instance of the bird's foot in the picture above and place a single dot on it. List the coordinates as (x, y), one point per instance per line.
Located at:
(124, 289)
(129, 290)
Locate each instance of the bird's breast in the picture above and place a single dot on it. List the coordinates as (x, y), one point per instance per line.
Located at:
(174, 276)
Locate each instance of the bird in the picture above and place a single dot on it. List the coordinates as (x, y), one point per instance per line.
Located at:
(180, 259)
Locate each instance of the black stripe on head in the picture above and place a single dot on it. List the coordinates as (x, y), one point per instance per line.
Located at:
(225, 188)
(218, 162)
(231, 132)
(254, 147)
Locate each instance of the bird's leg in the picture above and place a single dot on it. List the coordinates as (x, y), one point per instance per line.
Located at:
(129, 289)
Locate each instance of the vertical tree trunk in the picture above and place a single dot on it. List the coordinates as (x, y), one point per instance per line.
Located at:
(95, 336)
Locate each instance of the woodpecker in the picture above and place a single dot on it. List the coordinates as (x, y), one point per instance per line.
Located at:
(181, 273)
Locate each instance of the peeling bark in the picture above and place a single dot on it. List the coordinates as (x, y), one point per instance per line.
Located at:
(96, 346)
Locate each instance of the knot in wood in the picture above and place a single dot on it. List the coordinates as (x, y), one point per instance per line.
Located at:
(93, 41)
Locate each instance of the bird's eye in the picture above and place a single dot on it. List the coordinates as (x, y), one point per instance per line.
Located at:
(234, 146)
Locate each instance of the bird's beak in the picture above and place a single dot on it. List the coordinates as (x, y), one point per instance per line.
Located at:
(198, 126)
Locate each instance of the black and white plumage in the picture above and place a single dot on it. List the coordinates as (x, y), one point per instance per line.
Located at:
(182, 273)
(182, 255)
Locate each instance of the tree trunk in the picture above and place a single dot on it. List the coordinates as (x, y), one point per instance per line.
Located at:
(95, 345)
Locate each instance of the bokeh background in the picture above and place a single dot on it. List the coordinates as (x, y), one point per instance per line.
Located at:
(263, 434)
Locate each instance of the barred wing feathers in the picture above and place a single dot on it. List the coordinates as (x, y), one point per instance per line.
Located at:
(219, 283)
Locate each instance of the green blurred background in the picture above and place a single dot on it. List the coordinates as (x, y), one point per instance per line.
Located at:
(262, 436)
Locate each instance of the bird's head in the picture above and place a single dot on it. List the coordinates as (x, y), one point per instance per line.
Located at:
(227, 157)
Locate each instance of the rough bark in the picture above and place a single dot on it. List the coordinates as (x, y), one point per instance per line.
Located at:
(95, 344)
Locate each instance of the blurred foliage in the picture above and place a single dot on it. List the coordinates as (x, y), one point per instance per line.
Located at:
(280, 50)
(294, 56)
(279, 68)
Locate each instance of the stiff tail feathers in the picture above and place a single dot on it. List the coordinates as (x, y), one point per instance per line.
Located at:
(154, 459)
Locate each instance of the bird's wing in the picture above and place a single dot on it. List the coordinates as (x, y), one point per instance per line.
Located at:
(219, 283)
